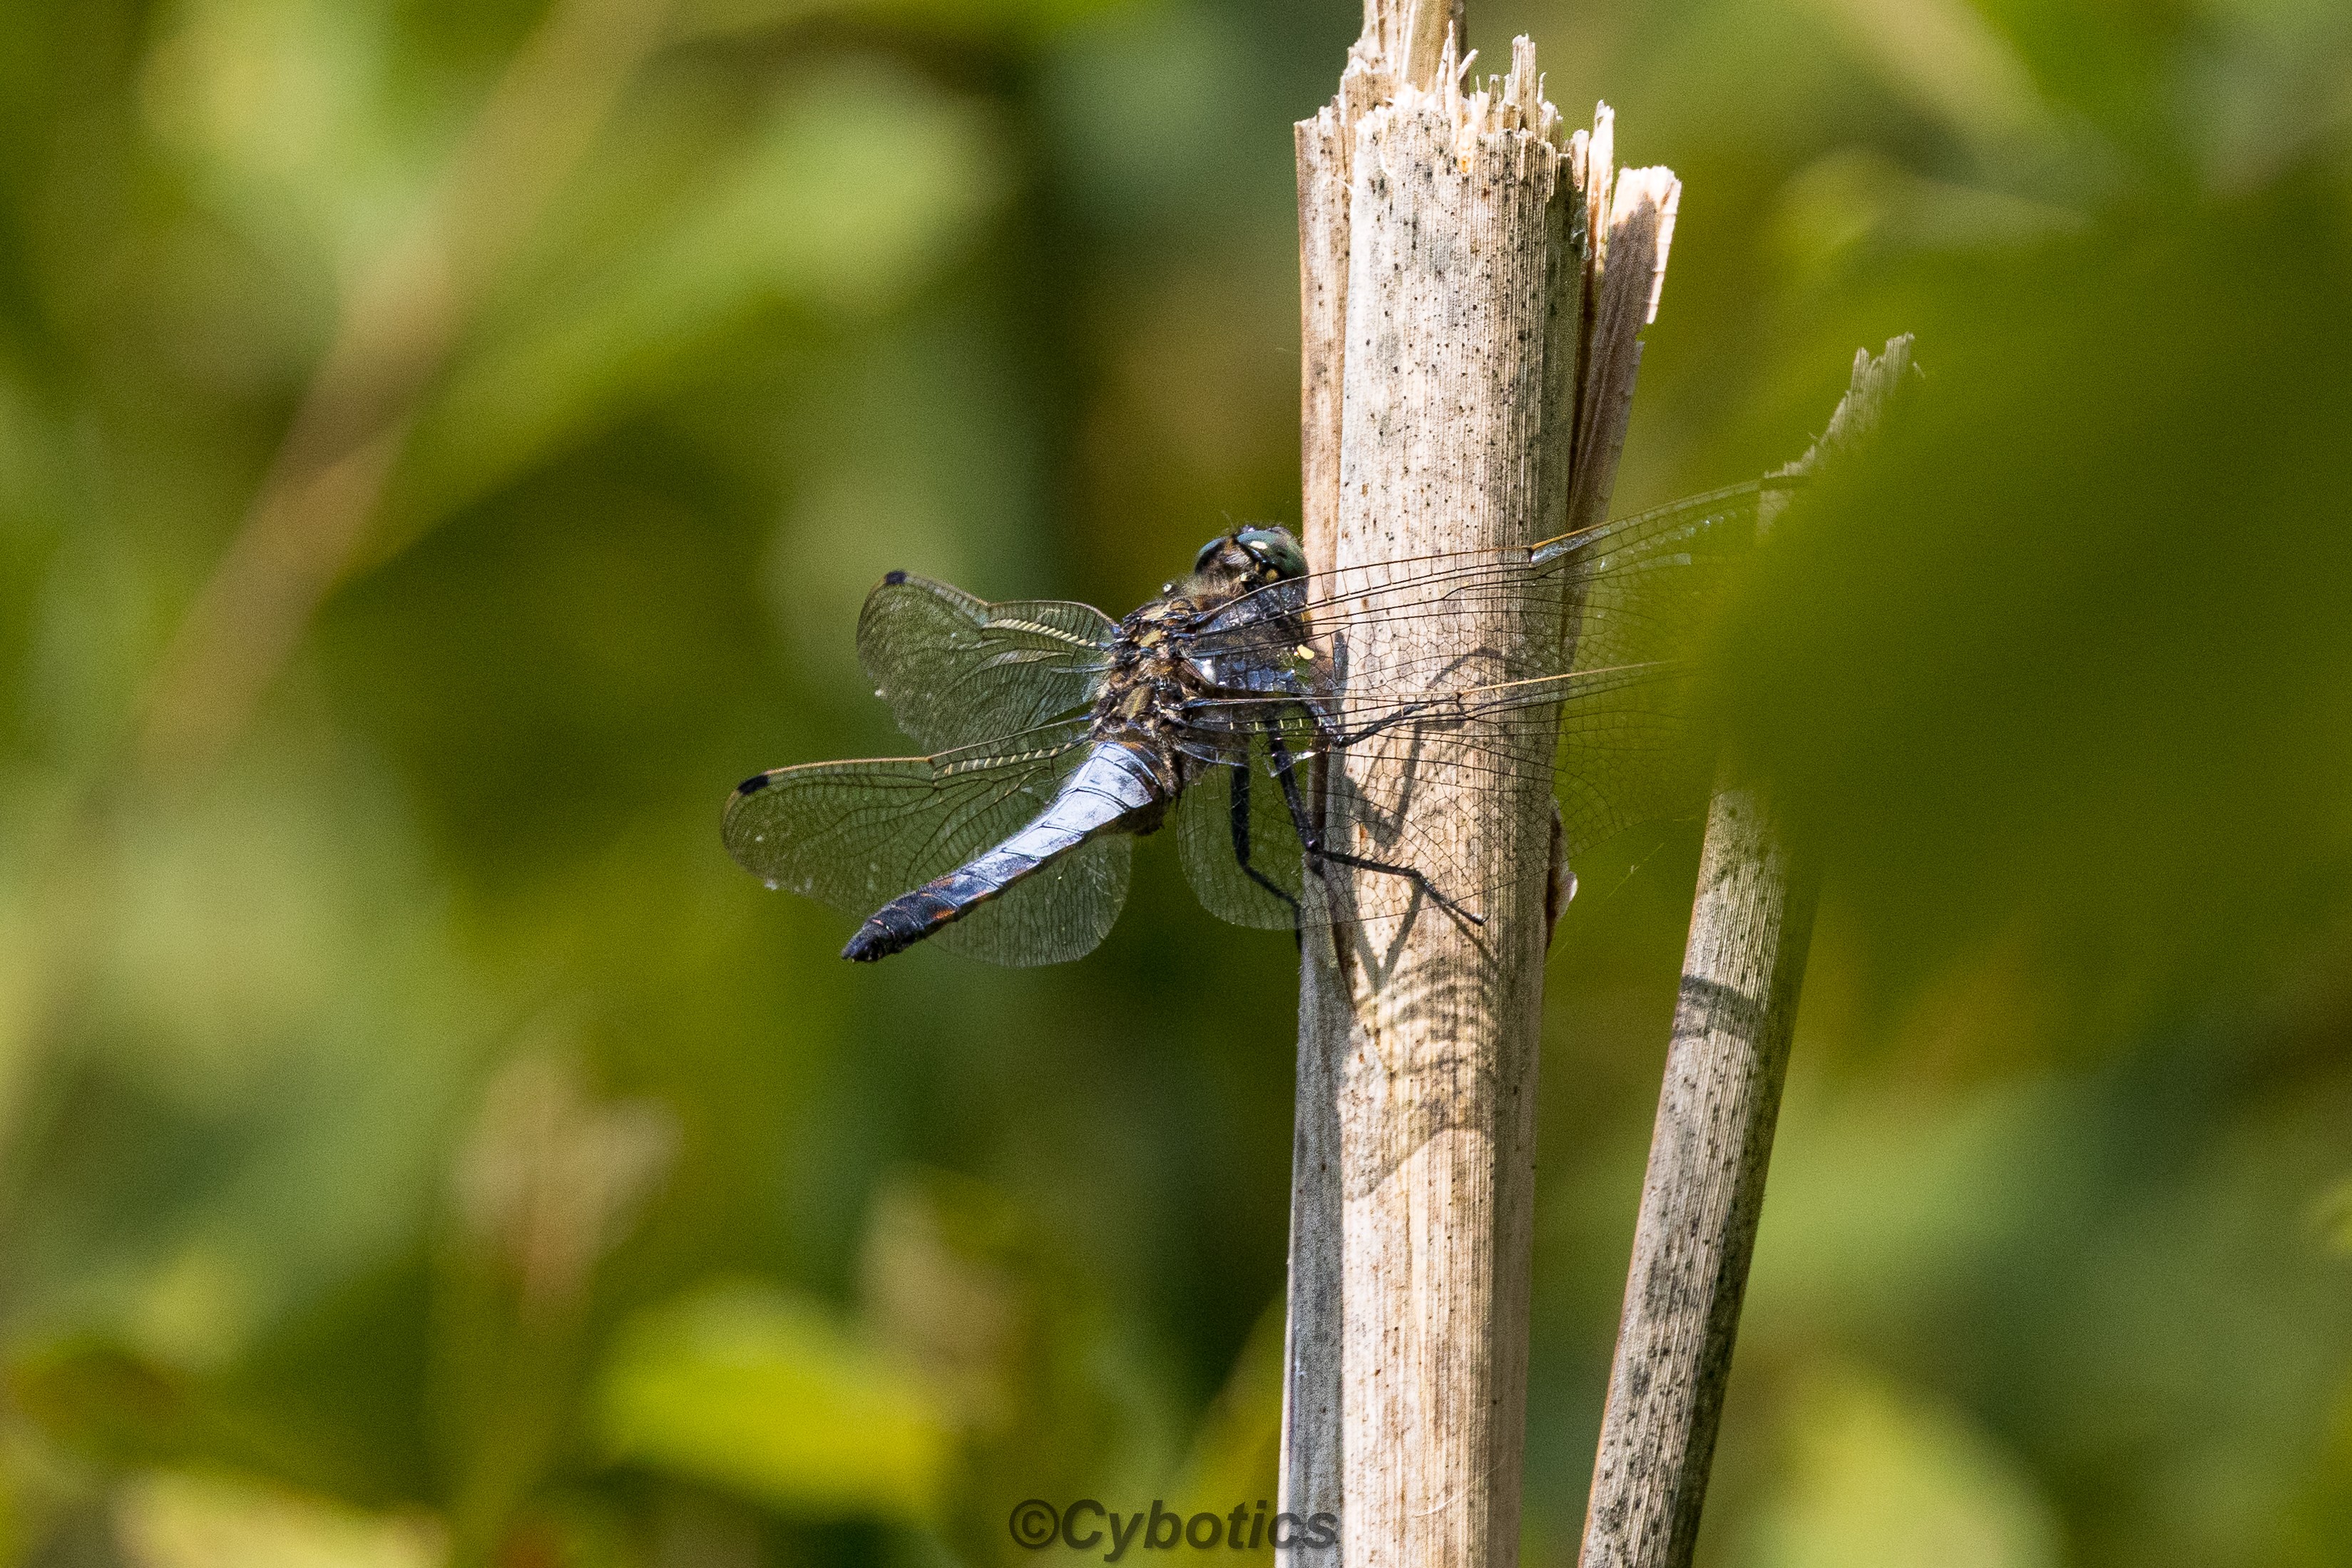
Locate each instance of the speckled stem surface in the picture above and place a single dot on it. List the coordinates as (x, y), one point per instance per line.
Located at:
(1704, 1193)
(1447, 273)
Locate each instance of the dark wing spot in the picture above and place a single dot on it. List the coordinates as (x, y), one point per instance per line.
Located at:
(753, 785)
(894, 578)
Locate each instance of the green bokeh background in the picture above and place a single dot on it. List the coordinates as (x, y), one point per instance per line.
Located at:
(419, 1144)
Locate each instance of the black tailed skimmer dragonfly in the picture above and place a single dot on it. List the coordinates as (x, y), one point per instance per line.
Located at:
(1225, 704)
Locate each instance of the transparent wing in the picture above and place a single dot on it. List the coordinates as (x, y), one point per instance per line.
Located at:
(1628, 749)
(957, 670)
(855, 835)
(1416, 720)
(1062, 913)
(1625, 592)
(1232, 822)
(1242, 846)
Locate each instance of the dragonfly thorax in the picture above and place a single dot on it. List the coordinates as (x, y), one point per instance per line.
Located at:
(1145, 692)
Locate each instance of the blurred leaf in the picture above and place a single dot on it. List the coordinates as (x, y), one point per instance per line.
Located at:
(953, 17)
(2332, 1216)
(1854, 208)
(1944, 57)
(858, 183)
(551, 1179)
(1878, 1476)
(1237, 1448)
(106, 1402)
(965, 1283)
(2014, 670)
(182, 1520)
(2316, 1532)
(125, 1411)
(759, 1390)
(290, 113)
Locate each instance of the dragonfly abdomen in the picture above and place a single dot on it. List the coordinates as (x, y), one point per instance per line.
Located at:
(1115, 790)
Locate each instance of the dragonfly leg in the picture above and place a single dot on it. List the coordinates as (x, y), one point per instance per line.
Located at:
(1336, 737)
(1285, 768)
(1342, 738)
(1241, 828)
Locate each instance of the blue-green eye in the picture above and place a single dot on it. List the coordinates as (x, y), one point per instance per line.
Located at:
(1201, 560)
(1275, 548)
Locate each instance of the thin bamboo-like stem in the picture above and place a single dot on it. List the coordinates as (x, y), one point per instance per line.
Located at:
(1704, 1192)
(1453, 307)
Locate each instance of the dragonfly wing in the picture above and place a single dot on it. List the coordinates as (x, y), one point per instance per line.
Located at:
(1628, 748)
(1618, 743)
(1385, 823)
(1630, 751)
(855, 835)
(1595, 625)
(1232, 821)
(1638, 590)
(957, 670)
(1060, 912)
(1707, 521)
(1630, 589)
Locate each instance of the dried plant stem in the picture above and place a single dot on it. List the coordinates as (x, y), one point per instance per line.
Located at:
(1704, 1192)
(1450, 298)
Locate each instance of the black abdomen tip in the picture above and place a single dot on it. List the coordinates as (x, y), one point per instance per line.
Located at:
(899, 925)
(875, 941)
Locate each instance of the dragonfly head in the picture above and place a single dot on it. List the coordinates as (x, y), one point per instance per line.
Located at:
(1253, 555)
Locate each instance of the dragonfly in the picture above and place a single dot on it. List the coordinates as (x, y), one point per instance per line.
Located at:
(1277, 717)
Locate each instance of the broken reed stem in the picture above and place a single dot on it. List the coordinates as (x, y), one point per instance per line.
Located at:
(1462, 333)
(1704, 1192)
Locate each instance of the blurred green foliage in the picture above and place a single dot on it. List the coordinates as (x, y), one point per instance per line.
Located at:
(419, 1146)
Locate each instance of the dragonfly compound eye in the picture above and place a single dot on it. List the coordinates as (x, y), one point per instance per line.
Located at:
(1275, 550)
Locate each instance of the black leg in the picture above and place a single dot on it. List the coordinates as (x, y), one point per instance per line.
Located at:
(1342, 738)
(1241, 830)
(1334, 736)
(1285, 768)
